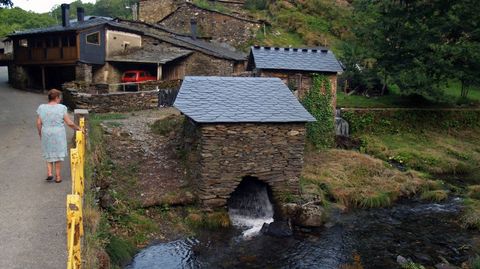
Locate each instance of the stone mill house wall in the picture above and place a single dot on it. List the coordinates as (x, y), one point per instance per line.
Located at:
(221, 155)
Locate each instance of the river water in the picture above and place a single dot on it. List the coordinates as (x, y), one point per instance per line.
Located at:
(426, 233)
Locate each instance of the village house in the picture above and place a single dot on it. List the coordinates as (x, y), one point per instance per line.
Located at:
(234, 29)
(76, 50)
(99, 50)
(295, 66)
(242, 127)
(205, 58)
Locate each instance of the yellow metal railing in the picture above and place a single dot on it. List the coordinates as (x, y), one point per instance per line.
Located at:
(74, 200)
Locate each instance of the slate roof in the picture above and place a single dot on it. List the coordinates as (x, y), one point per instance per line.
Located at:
(161, 33)
(74, 26)
(149, 55)
(239, 100)
(93, 21)
(314, 60)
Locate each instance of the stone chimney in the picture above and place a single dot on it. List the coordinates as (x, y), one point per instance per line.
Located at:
(65, 15)
(193, 28)
(80, 14)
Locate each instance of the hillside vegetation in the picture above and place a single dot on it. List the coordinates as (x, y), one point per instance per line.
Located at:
(15, 19)
(300, 23)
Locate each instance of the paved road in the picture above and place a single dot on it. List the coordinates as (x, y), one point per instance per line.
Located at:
(32, 211)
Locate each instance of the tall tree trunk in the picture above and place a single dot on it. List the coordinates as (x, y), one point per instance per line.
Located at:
(384, 86)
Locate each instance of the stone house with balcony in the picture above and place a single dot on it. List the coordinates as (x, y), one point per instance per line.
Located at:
(295, 66)
(238, 128)
(99, 50)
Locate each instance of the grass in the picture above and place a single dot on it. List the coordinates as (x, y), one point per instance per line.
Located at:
(471, 215)
(357, 180)
(167, 125)
(212, 220)
(451, 96)
(432, 152)
(435, 195)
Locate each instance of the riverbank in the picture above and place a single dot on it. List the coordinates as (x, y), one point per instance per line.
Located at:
(138, 195)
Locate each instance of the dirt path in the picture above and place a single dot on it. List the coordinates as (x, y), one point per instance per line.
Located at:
(32, 211)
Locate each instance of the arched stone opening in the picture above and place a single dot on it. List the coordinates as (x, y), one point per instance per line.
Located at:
(251, 204)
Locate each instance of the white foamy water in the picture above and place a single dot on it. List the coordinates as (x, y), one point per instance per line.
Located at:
(252, 225)
(250, 208)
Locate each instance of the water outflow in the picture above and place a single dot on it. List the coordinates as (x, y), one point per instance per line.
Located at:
(249, 207)
(341, 125)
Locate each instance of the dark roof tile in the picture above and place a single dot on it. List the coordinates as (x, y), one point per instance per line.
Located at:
(314, 60)
(239, 99)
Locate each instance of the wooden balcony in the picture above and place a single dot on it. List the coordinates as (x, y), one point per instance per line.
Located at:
(46, 55)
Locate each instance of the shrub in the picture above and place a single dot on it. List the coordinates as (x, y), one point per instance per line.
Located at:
(166, 125)
(318, 101)
(256, 4)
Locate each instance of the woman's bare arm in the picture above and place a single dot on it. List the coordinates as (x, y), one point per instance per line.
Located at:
(39, 126)
(70, 123)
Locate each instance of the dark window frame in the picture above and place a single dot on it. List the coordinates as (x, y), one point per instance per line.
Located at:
(91, 34)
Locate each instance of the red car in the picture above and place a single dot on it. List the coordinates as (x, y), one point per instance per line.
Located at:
(137, 76)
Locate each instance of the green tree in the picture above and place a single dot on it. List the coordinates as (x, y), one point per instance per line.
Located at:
(418, 44)
(6, 3)
(15, 19)
(107, 8)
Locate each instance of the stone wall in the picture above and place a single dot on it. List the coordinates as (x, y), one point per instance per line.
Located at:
(223, 28)
(18, 76)
(83, 72)
(107, 73)
(301, 82)
(153, 11)
(111, 102)
(199, 64)
(223, 154)
(95, 97)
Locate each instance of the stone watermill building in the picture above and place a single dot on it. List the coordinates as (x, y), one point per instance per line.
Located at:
(242, 127)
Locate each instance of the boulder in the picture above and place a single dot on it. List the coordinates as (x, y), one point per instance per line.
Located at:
(309, 215)
(278, 229)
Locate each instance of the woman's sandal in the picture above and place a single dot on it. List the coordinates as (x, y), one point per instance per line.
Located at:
(58, 181)
(49, 178)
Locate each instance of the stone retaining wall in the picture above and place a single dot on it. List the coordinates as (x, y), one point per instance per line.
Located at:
(111, 102)
(223, 154)
(96, 98)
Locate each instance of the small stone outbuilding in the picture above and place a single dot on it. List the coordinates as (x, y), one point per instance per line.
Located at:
(295, 66)
(240, 127)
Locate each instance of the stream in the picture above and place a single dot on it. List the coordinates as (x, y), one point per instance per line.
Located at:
(426, 233)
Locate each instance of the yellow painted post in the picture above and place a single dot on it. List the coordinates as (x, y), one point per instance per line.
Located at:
(81, 162)
(74, 168)
(75, 227)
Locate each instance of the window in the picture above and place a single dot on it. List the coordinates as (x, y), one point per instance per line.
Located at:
(23, 43)
(93, 38)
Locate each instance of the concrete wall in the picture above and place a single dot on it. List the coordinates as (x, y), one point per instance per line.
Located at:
(117, 40)
(221, 155)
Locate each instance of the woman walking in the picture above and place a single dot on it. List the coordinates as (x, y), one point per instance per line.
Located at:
(51, 121)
